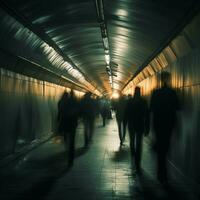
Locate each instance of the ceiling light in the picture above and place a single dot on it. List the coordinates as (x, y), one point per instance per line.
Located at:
(115, 95)
(106, 51)
(107, 58)
(105, 43)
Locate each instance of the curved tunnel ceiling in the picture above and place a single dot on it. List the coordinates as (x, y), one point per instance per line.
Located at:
(134, 30)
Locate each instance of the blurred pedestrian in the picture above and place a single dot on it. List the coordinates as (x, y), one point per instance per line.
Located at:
(137, 115)
(119, 107)
(164, 105)
(104, 110)
(88, 113)
(68, 113)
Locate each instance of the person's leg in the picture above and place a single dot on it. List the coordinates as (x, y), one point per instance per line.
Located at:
(124, 129)
(161, 165)
(163, 142)
(66, 140)
(138, 151)
(119, 131)
(86, 132)
(71, 147)
(91, 128)
(132, 140)
(104, 119)
(164, 148)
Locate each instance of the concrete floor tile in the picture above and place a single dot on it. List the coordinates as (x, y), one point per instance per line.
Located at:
(103, 172)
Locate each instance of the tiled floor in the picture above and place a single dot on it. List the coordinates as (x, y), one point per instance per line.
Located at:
(102, 172)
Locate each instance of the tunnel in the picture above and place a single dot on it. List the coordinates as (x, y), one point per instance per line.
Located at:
(104, 48)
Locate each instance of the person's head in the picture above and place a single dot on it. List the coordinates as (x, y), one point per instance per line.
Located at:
(165, 78)
(137, 92)
(65, 96)
(88, 94)
(129, 96)
(72, 94)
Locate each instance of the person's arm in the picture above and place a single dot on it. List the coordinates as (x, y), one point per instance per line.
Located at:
(127, 111)
(152, 102)
(147, 120)
(59, 111)
(150, 109)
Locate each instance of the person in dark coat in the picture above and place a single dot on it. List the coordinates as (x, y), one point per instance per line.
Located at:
(68, 113)
(137, 115)
(88, 113)
(164, 105)
(119, 107)
(104, 109)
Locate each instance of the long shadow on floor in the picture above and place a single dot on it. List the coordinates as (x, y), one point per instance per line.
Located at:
(147, 188)
(35, 179)
(121, 154)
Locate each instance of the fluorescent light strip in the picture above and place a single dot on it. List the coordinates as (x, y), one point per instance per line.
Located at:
(107, 58)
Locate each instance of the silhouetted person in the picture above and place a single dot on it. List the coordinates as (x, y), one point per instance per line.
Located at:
(129, 96)
(120, 106)
(88, 112)
(68, 113)
(164, 104)
(61, 115)
(97, 106)
(109, 106)
(104, 110)
(137, 114)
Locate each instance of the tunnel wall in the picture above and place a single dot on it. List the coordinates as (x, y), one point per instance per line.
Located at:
(182, 58)
(28, 110)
